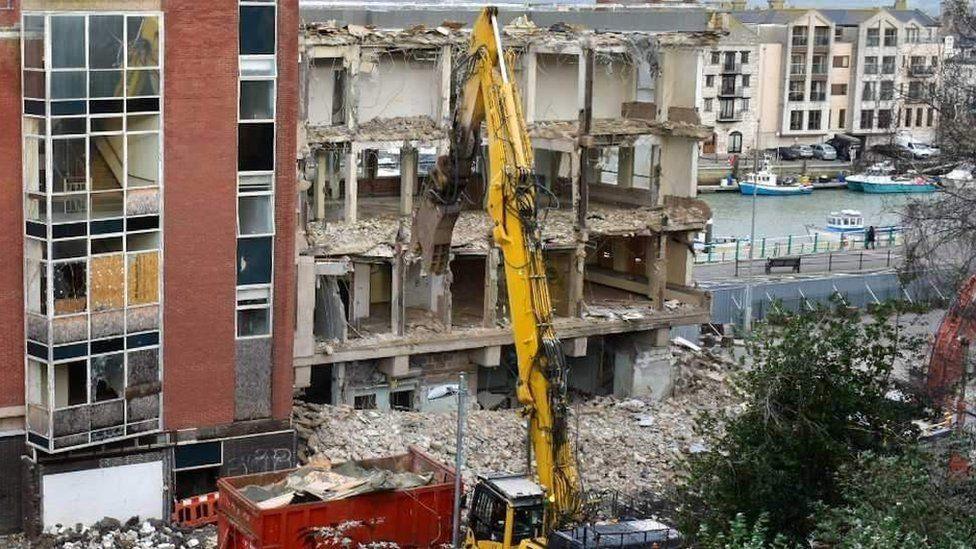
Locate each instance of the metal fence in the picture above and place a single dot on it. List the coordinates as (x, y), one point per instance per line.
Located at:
(807, 294)
(796, 245)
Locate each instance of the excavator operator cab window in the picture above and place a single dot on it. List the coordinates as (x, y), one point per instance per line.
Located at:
(528, 523)
(488, 515)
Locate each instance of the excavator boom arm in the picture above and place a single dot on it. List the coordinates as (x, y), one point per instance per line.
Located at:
(489, 95)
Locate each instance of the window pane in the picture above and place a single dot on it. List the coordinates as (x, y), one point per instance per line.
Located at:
(105, 155)
(143, 41)
(34, 42)
(257, 67)
(253, 261)
(143, 155)
(106, 205)
(257, 99)
(142, 202)
(255, 183)
(34, 86)
(107, 377)
(68, 41)
(69, 126)
(63, 249)
(143, 122)
(105, 40)
(253, 322)
(34, 172)
(255, 147)
(257, 30)
(36, 275)
(70, 207)
(68, 163)
(142, 83)
(105, 84)
(69, 85)
(70, 288)
(255, 214)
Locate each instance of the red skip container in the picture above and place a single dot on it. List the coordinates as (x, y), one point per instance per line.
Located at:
(416, 517)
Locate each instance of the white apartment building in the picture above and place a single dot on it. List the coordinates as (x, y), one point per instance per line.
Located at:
(865, 72)
(731, 90)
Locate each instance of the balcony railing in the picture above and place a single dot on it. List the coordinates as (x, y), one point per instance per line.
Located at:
(732, 67)
(821, 41)
(870, 69)
(822, 96)
(729, 116)
(921, 70)
(799, 41)
(729, 91)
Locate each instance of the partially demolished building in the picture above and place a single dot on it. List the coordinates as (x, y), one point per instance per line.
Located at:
(372, 329)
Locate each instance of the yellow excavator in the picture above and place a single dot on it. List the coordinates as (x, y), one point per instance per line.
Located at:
(511, 510)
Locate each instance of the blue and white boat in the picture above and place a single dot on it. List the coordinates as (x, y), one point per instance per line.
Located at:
(766, 183)
(879, 179)
(845, 221)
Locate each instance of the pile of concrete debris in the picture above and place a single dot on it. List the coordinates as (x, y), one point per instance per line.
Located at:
(633, 444)
(134, 533)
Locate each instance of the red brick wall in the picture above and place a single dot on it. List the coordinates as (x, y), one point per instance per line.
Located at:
(10, 16)
(199, 212)
(12, 236)
(286, 196)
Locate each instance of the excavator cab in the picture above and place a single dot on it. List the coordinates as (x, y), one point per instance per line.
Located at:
(506, 511)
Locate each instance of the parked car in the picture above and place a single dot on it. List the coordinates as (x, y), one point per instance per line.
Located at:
(921, 150)
(847, 147)
(789, 153)
(823, 151)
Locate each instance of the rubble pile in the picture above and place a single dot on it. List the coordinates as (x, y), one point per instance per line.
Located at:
(632, 444)
(134, 533)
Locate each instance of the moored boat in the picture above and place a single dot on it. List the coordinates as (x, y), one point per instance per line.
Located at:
(879, 179)
(766, 183)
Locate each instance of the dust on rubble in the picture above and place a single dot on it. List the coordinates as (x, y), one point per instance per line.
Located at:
(631, 445)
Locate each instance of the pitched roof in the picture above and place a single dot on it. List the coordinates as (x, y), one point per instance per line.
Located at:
(844, 18)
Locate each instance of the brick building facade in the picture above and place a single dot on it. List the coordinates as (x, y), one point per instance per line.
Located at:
(147, 153)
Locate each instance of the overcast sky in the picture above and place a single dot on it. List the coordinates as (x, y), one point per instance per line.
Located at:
(930, 7)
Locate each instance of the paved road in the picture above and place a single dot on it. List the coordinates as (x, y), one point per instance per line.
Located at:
(850, 261)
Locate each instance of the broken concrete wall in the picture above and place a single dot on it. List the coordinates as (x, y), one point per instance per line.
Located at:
(558, 82)
(642, 365)
(398, 84)
(322, 92)
(614, 82)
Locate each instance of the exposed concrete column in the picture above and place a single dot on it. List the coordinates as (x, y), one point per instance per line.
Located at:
(555, 162)
(321, 179)
(625, 167)
(575, 182)
(351, 206)
(408, 179)
(360, 292)
(351, 92)
(620, 254)
(679, 168)
(398, 319)
(530, 68)
(577, 274)
(440, 297)
(680, 260)
(655, 269)
(444, 106)
(642, 365)
(305, 306)
(490, 314)
(332, 162)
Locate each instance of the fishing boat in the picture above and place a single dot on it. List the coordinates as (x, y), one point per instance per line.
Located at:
(845, 221)
(766, 183)
(880, 179)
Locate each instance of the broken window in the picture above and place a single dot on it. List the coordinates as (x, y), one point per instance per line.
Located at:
(143, 160)
(143, 36)
(68, 41)
(107, 377)
(70, 288)
(257, 100)
(143, 278)
(254, 261)
(70, 383)
(401, 400)
(105, 41)
(255, 143)
(69, 165)
(365, 402)
(37, 397)
(36, 276)
(255, 215)
(253, 312)
(257, 30)
(108, 282)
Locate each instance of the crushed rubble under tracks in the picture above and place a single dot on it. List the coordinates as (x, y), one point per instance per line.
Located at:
(628, 445)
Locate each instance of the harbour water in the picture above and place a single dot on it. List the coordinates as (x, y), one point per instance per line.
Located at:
(789, 215)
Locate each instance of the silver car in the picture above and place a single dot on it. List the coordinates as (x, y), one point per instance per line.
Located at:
(824, 151)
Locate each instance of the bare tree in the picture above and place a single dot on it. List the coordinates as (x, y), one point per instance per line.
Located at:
(941, 229)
